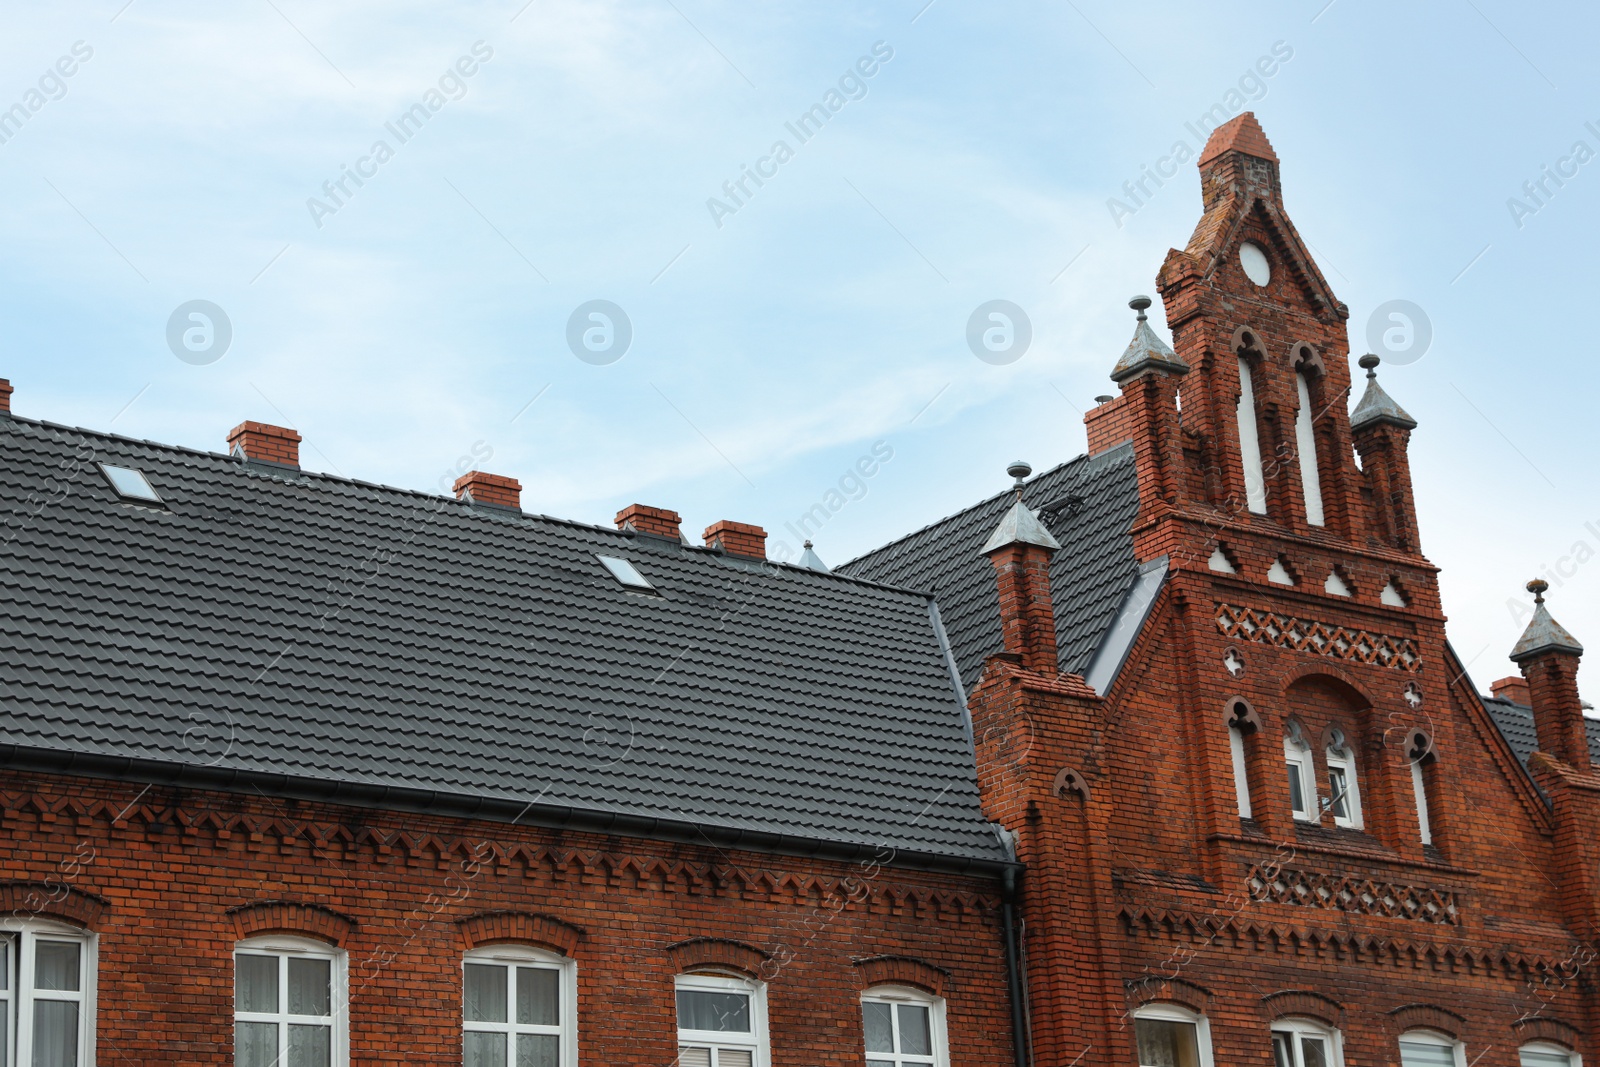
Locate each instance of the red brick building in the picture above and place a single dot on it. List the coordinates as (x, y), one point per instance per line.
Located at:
(1265, 816)
(1159, 758)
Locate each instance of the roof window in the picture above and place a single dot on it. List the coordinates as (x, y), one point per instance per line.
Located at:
(625, 572)
(130, 484)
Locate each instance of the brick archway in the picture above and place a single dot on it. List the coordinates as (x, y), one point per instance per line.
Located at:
(901, 970)
(52, 900)
(699, 952)
(544, 931)
(1152, 989)
(1303, 1003)
(1428, 1017)
(291, 917)
(1546, 1028)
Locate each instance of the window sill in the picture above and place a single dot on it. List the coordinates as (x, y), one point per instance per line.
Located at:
(1325, 842)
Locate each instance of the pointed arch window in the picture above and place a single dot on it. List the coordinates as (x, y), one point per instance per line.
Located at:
(1307, 364)
(1255, 481)
(1420, 754)
(1344, 791)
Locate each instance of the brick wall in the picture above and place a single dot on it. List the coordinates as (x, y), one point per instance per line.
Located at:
(169, 887)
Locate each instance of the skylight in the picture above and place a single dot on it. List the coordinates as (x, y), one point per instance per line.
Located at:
(625, 572)
(130, 484)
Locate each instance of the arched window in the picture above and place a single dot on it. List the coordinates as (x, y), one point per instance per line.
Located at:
(518, 1006)
(1242, 724)
(722, 1021)
(1344, 791)
(1255, 483)
(289, 1003)
(1304, 1043)
(47, 978)
(903, 1027)
(1548, 1054)
(1420, 752)
(1302, 774)
(1425, 1048)
(1305, 442)
(1170, 1035)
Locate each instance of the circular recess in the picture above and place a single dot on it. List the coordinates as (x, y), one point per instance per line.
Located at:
(1254, 261)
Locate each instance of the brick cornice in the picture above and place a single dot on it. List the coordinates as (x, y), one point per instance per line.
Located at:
(545, 931)
(290, 917)
(901, 970)
(51, 900)
(699, 952)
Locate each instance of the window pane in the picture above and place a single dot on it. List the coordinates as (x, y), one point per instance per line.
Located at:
(5, 971)
(691, 1056)
(55, 1033)
(486, 995)
(1426, 1054)
(722, 1012)
(1297, 794)
(1535, 1057)
(1282, 1051)
(1338, 786)
(1315, 1051)
(255, 1044)
(255, 985)
(879, 1025)
(56, 964)
(310, 991)
(310, 1046)
(1163, 1043)
(538, 1050)
(734, 1057)
(915, 1038)
(485, 1050)
(880, 1063)
(538, 998)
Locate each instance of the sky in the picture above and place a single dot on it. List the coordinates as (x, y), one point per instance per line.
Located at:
(756, 342)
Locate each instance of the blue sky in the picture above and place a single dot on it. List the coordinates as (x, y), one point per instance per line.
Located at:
(829, 311)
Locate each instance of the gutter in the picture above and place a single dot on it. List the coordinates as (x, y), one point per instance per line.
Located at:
(1019, 1030)
(490, 809)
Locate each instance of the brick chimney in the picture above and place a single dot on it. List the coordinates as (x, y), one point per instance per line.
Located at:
(265, 443)
(646, 519)
(478, 487)
(1514, 689)
(737, 539)
(1548, 656)
(1020, 549)
(1381, 430)
(5, 396)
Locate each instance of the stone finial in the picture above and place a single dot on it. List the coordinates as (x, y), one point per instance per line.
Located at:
(1146, 351)
(1543, 634)
(1376, 405)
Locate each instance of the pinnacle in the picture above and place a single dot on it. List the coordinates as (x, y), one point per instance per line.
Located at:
(1239, 134)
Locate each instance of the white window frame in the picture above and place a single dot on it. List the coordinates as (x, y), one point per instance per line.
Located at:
(894, 995)
(286, 946)
(716, 1040)
(1297, 1028)
(1241, 772)
(1433, 1037)
(1344, 759)
(1298, 757)
(1163, 1011)
(1550, 1048)
(513, 956)
(19, 996)
(1419, 790)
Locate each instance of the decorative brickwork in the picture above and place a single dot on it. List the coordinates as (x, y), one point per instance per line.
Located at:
(545, 931)
(1323, 639)
(1363, 896)
(290, 917)
(51, 899)
(1303, 1003)
(701, 952)
(902, 970)
(1428, 1017)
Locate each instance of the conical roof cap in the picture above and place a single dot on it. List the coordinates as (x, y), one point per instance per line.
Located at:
(1543, 634)
(1376, 405)
(1146, 350)
(1020, 525)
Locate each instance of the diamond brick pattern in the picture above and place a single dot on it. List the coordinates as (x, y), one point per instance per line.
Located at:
(1362, 896)
(1322, 639)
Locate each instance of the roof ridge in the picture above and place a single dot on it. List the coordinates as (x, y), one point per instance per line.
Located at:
(1075, 460)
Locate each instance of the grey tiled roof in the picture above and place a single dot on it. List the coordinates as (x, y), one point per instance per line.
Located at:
(266, 621)
(1088, 576)
(1516, 723)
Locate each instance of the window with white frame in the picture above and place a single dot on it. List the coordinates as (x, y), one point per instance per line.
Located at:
(1170, 1035)
(518, 1008)
(904, 1027)
(722, 1021)
(289, 1003)
(1548, 1054)
(47, 973)
(1302, 778)
(1424, 1048)
(1303, 1043)
(1344, 791)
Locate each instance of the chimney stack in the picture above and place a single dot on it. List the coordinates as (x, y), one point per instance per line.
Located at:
(1514, 689)
(5, 396)
(737, 539)
(646, 519)
(1548, 656)
(265, 443)
(479, 487)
